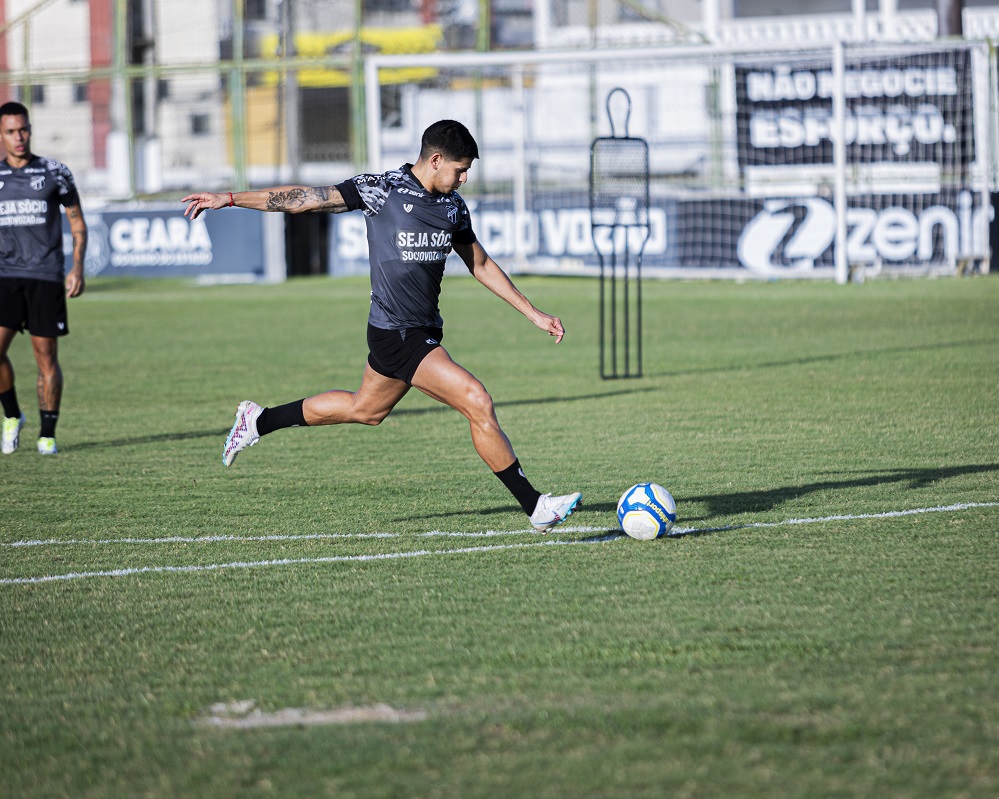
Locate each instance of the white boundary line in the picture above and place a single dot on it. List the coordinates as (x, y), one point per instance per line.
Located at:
(210, 539)
(889, 514)
(293, 561)
(679, 532)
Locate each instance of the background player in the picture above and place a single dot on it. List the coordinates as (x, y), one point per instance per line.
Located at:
(414, 219)
(33, 286)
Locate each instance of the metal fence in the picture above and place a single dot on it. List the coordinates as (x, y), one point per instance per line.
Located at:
(776, 161)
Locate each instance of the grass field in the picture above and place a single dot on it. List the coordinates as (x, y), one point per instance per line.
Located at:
(362, 612)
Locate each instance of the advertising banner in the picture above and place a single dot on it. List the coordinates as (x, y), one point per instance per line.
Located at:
(164, 243)
(754, 237)
(914, 108)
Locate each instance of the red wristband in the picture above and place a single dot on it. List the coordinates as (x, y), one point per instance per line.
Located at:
(230, 199)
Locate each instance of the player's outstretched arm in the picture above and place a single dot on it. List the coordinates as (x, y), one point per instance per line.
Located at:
(491, 275)
(290, 199)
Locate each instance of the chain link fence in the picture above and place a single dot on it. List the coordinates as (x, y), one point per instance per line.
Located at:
(142, 98)
(147, 100)
(777, 162)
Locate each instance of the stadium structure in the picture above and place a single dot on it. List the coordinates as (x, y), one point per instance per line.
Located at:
(828, 139)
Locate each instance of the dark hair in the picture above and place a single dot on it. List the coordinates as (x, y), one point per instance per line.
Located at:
(13, 109)
(449, 138)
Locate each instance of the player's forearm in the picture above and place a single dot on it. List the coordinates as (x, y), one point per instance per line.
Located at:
(78, 231)
(75, 281)
(490, 275)
(292, 199)
(79, 250)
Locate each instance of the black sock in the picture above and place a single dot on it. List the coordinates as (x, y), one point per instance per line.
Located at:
(517, 483)
(10, 407)
(49, 419)
(290, 415)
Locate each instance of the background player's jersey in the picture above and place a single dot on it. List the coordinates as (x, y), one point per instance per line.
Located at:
(410, 233)
(31, 218)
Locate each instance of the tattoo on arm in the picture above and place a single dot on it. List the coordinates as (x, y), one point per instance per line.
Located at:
(290, 200)
(79, 247)
(316, 198)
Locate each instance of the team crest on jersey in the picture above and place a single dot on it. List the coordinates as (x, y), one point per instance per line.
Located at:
(407, 207)
(452, 214)
(38, 182)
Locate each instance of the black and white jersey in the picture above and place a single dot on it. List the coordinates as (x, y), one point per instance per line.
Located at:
(410, 233)
(31, 218)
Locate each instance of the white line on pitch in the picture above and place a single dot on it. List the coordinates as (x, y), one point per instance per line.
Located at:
(847, 517)
(295, 561)
(677, 531)
(212, 539)
(466, 550)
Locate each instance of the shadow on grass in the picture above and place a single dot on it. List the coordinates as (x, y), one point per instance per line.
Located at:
(537, 400)
(193, 434)
(762, 501)
(816, 359)
(159, 438)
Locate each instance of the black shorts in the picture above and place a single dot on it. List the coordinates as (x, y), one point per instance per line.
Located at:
(38, 306)
(397, 353)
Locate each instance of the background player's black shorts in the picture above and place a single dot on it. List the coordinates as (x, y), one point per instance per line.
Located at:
(38, 306)
(397, 353)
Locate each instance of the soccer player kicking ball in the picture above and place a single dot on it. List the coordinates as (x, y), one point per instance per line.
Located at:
(414, 219)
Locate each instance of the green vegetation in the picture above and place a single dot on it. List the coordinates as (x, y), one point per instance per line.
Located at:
(851, 657)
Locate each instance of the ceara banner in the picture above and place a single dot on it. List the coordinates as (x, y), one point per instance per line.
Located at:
(165, 243)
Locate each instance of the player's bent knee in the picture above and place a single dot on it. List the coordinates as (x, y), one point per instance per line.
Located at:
(479, 403)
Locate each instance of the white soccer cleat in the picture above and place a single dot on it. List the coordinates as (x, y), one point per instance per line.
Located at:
(12, 426)
(554, 510)
(244, 431)
(47, 446)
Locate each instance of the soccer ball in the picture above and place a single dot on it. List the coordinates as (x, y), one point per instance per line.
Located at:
(646, 511)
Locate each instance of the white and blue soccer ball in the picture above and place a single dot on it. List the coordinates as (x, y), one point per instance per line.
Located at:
(646, 511)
